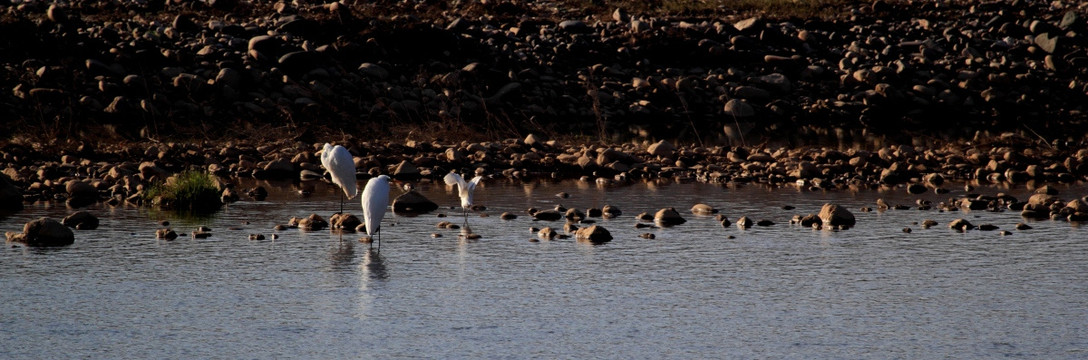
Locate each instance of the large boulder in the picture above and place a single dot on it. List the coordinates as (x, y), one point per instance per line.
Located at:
(595, 234)
(81, 220)
(43, 232)
(668, 217)
(11, 198)
(834, 216)
(413, 202)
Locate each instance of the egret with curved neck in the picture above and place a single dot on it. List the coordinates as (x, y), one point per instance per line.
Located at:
(375, 200)
(341, 167)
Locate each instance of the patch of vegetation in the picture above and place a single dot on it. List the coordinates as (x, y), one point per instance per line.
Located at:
(193, 191)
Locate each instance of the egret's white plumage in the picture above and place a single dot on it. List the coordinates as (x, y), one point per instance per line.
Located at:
(375, 200)
(339, 163)
(464, 189)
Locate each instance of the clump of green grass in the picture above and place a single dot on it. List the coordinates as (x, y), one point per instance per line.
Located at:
(189, 191)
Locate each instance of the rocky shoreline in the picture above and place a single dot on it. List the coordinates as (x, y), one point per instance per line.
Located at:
(896, 70)
(88, 173)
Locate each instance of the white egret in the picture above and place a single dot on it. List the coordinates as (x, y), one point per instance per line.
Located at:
(339, 163)
(464, 190)
(375, 200)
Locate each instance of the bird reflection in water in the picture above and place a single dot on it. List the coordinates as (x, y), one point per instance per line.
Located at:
(342, 256)
(374, 265)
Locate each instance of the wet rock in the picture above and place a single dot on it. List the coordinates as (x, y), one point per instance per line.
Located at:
(973, 204)
(313, 222)
(668, 217)
(987, 227)
(166, 234)
(81, 220)
(344, 222)
(836, 216)
(413, 202)
(609, 211)
(570, 228)
(647, 236)
(43, 232)
(703, 209)
(960, 225)
(547, 215)
(765, 223)
(928, 223)
(916, 189)
(255, 237)
(723, 220)
(547, 233)
(810, 220)
(744, 222)
(574, 215)
(508, 216)
(595, 234)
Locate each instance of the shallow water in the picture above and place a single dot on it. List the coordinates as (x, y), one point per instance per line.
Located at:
(775, 292)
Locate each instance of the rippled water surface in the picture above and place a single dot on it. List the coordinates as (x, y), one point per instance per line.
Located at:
(774, 292)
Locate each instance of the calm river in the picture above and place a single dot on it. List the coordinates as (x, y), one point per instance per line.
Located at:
(770, 292)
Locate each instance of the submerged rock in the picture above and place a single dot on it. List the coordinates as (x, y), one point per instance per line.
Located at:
(836, 216)
(81, 220)
(668, 217)
(43, 232)
(595, 234)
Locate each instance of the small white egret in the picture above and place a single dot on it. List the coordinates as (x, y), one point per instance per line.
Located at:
(464, 190)
(375, 200)
(339, 163)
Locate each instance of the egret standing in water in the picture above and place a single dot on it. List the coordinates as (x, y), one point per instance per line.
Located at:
(341, 166)
(464, 190)
(375, 199)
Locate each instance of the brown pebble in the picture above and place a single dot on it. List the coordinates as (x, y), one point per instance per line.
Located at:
(647, 236)
(906, 230)
(436, 235)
